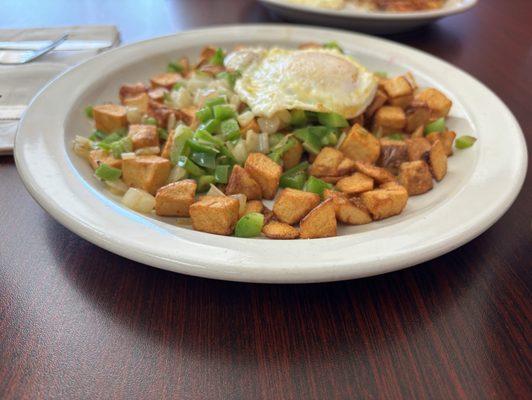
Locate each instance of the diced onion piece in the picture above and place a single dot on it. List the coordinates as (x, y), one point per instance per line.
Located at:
(176, 174)
(264, 143)
(240, 152)
(128, 156)
(148, 151)
(181, 98)
(242, 199)
(234, 100)
(245, 118)
(139, 200)
(117, 187)
(284, 118)
(171, 123)
(82, 146)
(252, 141)
(133, 115)
(214, 191)
(340, 140)
(269, 125)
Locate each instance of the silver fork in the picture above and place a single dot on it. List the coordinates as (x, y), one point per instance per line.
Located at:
(22, 57)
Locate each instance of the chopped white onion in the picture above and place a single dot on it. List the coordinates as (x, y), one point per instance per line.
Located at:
(133, 115)
(170, 124)
(341, 140)
(148, 151)
(240, 152)
(264, 143)
(269, 125)
(252, 141)
(214, 191)
(242, 199)
(127, 156)
(117, 187)
(234, 100)
(176, 174)
(82, 146)
(139, 200)
(181, 98)
(245, 118)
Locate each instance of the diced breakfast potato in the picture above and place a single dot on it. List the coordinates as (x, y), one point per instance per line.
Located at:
(206, 54)
(157, 94)
(438, 160)
(418, 114)
(109, 118)
(399, 86)
(241, 182)
(385, 202)
(265, 172)
(378, 101)
(291, 205)
(320, 222)
(165, 80)
(175, 199)
(250, 126)
(280, 230)
(401, 102)
(188, 116)
(139, 101)
(326, 162)
(438, 103)
(292, 156)
(393, 154)
(253, 206)
(346, 167)
(350, 211)
(215, 214)
(127, 91)
(418, 149)
(354, 184)
(446, 138)
(99, 156)
(168, 145)
(360, 145)
(148, 173)
(415, 176)
(160, 112)
(389, 119)
(381, 175)
(143, 136)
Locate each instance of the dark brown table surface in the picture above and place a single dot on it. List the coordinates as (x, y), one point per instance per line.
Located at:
(79, 322)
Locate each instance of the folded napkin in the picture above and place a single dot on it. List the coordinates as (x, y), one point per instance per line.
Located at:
(19, 83)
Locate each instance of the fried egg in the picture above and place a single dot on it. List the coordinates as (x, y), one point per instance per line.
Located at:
(334, 4)
(322, 80)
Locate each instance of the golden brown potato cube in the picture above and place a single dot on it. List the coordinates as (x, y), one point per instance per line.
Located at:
(378, 101)
(384, 203)
(157, 94)
(417, 149)
(280, 230)
(168, 145)
(143, 136)
(356, 183)
(417, 115)
(174, 199)
(320, 222)
(240, 181)
(165, 80)
(253, 206)
(397, 87)
(127, 91)
(402, 102)
(381, 175)
(438, 160)
(389, 119)
(292, 205)
(360, 145)
(349, 211)
(109, 118)
(331, 179)
(326, 162)
(292, 156)
(446, 138)
(160, 112)
(215, 214)
(188, 116)
(393, 154)
(99, 156)
(265, 172)
(148, 173)
(415, 176)
(206, 54)
(140, 102)
(251, 126)
(346, 167)
(438, 103)
(418, 133)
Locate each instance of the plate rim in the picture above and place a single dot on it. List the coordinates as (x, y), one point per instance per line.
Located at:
(373, 15)
(185, 267)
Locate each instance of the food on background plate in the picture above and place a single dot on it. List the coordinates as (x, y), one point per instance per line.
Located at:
(376, 5)
(310, 131)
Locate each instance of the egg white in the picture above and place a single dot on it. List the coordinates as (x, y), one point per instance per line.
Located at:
(333, 4)
(322, 80)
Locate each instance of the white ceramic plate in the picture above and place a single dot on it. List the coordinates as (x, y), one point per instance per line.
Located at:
(357, 18)
(482, 181)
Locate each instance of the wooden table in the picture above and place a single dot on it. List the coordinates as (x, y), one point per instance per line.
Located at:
(79, 322)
